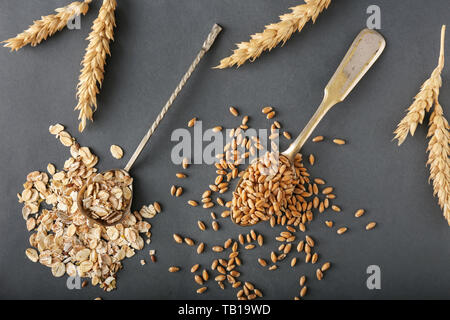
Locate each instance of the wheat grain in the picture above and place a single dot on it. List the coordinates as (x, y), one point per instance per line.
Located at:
(342, 230)
(271, 114)
(339, 141)
(262, 262)
(202, 289)
(319, 274)
(423, 101)
(336, 208)
(287, 135)
(193, 203)
(303, 291)
(177, 238)
(47, 26)
(266, 110)
(371, 225)
(318, 139)
(275, 33)
(174, 269)
(325, 266)
(94, 62)
(439, 151)
(359, 213)
(157, 207)
(234, 111)
(192, 122)
(195, 267)
(189, 241)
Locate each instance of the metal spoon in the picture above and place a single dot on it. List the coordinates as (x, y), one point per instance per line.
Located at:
(117, 218)
(363, 53)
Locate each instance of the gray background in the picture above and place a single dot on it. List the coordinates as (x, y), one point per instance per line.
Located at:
(155, 42)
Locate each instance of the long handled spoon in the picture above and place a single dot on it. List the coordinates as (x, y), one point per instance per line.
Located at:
(110, 219)
(363, 53)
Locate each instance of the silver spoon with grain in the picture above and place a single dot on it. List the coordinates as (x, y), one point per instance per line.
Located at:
(364, 51)
(114, 188)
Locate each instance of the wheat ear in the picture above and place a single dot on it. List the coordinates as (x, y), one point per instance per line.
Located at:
(94, 62)
(438, 158)
(275, 33)
(47, 26)
(423, 101)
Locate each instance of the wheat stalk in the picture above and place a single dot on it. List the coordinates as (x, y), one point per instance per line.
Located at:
(438, 158)
(47, 26)
(275, 33)
(94, 62)
(423, 101)
(438, 146)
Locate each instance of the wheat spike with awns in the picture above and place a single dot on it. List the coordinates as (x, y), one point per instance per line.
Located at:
(423, 101)
(275, 33)
(438, 158)
(439, 148)
(94, 62)
(47, 26)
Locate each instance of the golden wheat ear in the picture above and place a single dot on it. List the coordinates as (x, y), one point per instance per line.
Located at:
(438, 158)
(47, 26)
(94, 62)
(423, 101)
(275, 33)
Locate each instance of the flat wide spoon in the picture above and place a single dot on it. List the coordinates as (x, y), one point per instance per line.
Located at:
(364, 51)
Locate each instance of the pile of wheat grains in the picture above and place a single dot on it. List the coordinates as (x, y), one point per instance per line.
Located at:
(272, 190)
(267, 191)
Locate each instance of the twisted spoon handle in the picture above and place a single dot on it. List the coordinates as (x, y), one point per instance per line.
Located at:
(205, 47)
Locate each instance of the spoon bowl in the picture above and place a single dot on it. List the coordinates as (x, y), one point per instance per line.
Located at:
(111, 219)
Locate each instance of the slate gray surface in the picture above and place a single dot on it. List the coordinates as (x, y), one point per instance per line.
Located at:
(155, 42)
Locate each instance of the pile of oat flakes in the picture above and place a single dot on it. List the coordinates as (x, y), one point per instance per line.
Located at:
(62, 238)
